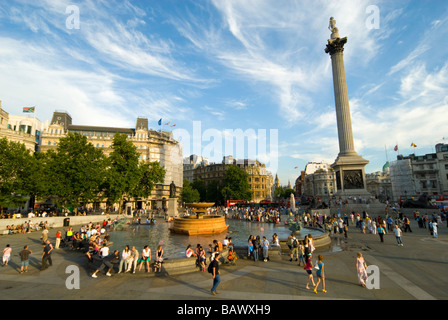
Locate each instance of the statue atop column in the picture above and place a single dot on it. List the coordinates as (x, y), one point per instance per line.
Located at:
(333, 29)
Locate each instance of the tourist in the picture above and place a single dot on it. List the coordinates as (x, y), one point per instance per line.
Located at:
(398, 233)
(256, 245)
(189, 252)
(294, 250)
(275, 241)
(289, 244)
(24, 257)
(361, 269)
(146, 258)
(301, 250)
(311, 243)
(230, 244)
(201, 258)
(108, 261)
(320, 274)
(133, 259)
(6, 255)
(407, 224)
(381, 231)
(44, 235)
(104, 251)
(265, 246)
(309, 270)
(250, 247)
(434, 229)
(46, 256)
(225, 242)
(214, 265)
(58, 239)
(159, 259)
(125, 255)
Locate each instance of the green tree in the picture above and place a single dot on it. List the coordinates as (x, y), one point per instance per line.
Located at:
(200, 186)
(214, 191)
(189, 194)
(123, 173)
(16, 165)
(236, 185)
(150, 174)
(76, 171)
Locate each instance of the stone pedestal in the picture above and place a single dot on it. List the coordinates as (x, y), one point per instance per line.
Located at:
(172, 208)
(349, 166)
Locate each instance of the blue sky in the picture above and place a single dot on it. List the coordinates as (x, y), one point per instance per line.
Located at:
(229, 65)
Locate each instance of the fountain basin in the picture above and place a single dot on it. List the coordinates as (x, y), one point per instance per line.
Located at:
(199, 226)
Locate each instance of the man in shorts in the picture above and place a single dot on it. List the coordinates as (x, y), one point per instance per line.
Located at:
(25, 259)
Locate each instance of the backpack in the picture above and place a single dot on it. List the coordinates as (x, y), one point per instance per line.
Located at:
(295, 243)
(210, 268)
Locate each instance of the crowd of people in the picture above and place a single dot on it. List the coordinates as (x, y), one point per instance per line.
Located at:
(93, 241)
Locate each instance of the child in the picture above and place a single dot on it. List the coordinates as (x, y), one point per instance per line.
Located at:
(301, 253)
(320, 274)
(309, 270)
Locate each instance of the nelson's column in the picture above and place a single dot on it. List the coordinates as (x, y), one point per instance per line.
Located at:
(348, 166)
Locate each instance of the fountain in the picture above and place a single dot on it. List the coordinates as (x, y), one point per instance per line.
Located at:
(200, 223)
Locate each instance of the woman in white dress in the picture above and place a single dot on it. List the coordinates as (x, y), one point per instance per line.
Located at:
(361, 269)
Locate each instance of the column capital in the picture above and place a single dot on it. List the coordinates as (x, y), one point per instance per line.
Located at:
(335, 45)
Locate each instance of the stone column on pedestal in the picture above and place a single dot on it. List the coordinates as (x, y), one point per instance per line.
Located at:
(349, 166)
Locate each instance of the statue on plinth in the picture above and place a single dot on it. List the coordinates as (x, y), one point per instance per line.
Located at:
(172, 190)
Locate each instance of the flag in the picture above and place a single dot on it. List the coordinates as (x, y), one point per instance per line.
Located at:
(295, 167)
(173, 125)
(29, 109)
(168, 123)
(396, 148)
(413, 145)
(160, 122)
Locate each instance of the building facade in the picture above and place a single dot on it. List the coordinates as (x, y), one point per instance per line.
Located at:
(420, 174)
(259, 178)
(319, 181)
(24, 129)
(152, 146)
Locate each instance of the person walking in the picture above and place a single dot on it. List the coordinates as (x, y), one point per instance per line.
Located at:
(398, 233)
(381, 231)
(25, 259)
(44, 235)
(407, 225)
(309, 270)
(361, 269)
(46, 256)
(320, 274)
(58, 239)
(214, 266)
(6, 255)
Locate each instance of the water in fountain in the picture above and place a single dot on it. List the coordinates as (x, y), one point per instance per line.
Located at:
(174, 245)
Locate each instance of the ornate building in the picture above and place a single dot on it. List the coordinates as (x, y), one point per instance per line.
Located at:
(151, 144)
(23, 129)
(319, 181)
(260, 179)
